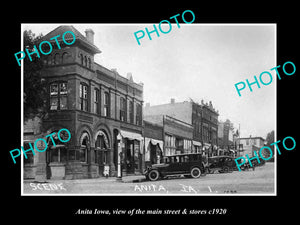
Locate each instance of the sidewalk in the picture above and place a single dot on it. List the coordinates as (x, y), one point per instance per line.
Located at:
(125, 179)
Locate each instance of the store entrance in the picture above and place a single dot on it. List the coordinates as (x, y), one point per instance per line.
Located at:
(132, 156)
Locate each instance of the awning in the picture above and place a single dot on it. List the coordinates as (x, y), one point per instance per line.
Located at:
(57, 146)
(153, 142)
(131, 135)
(197, 143)
(207, 144)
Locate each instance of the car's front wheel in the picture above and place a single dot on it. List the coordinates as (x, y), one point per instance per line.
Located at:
(195, 172)
(153, 175)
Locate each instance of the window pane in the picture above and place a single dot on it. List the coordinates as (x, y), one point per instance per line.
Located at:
(84, 92)
(63, 154)
(54, 155)
(53, 103)
(82, 154)
(106, 104)
(85, 105)
(63, 88)
(63, 102)
(96, 101)
(80, 91)
(106, 98)
(53, 89)
(96, 95)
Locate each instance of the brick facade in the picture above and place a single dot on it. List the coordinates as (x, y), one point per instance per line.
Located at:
(84, 97)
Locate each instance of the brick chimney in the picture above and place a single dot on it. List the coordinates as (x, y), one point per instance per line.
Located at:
(89, 33)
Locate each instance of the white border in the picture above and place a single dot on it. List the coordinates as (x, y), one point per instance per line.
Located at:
(156, 194)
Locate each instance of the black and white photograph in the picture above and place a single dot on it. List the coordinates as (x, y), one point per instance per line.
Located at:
(186, 112)
(147, 113)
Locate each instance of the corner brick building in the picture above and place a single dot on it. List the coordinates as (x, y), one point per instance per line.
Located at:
(98, 106)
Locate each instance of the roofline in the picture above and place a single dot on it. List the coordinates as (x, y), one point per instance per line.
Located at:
(117, 74)
(252, 138)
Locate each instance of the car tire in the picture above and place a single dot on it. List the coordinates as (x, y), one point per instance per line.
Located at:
(153, 175)
(225, 169)
(195, 172)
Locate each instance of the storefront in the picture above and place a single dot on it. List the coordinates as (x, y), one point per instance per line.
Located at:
(132, 152)
(197, 147)
(153, 151)
(207, 149)
(101, 151)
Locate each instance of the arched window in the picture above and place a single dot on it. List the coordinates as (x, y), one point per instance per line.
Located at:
(81, 59)
(56, 59)
(85, 61)
(84, 146)
(101, 148)
(66, 57)
(89, 63)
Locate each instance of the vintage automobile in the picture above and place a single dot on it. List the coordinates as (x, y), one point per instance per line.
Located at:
(254, 162)
(189, 165)
(222, 164)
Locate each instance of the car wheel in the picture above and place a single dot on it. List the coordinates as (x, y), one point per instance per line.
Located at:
(153, 175)
(225, 169)
(195, 172)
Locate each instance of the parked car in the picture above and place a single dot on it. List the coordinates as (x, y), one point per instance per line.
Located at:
(189, 165)
(222, 164)
(247, 166)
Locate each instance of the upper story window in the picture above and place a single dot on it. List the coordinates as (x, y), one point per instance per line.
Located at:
(89, 63)
(56, 59)
(81, 59)
(66, 57)
(96, 101)
(123, 109)
(106, 105)
(131, 112)
(138, 114)
(83, 95)
(58, 96)
(85, 61)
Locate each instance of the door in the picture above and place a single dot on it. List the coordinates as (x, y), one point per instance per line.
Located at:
(129, 156)
(175, 165)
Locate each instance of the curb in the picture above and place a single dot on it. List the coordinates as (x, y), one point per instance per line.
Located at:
(135, 180)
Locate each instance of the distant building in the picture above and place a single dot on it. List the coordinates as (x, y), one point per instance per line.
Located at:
(203, 117)
(177, 134)
(251, 144)
(225, 136)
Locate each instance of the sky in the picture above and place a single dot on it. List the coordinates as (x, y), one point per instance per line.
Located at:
(195, 61)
